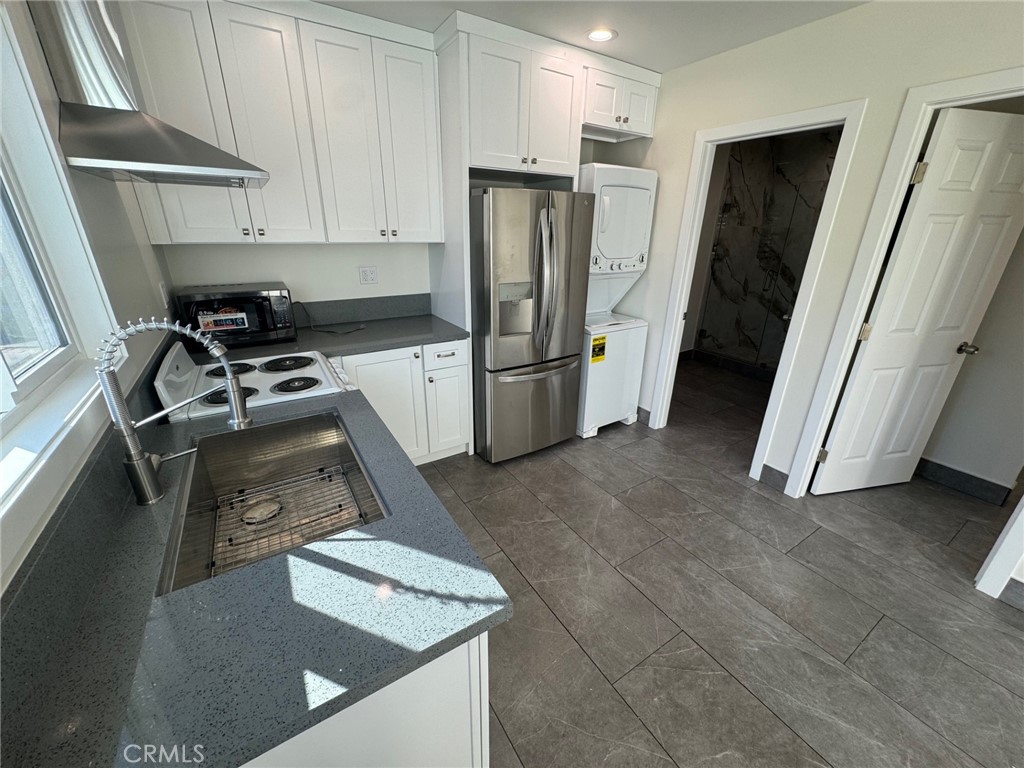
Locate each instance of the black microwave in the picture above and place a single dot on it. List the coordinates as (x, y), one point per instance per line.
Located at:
(238, 314)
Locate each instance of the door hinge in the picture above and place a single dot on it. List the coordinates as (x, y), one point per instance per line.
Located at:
(684, 315)
(822, 455)
(865, 332)
(919, 171)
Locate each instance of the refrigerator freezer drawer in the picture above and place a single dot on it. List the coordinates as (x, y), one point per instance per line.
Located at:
(528, 408)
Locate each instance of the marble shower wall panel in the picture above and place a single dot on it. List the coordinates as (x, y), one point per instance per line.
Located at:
(773, 193)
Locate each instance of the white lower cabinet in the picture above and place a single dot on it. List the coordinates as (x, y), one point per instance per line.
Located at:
(421, 394)
(434, 717)
(393, 383)
(448, 417)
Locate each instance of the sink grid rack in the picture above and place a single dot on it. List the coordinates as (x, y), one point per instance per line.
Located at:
(312, 506)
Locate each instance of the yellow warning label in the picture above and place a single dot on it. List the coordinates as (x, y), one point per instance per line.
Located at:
(597, 349)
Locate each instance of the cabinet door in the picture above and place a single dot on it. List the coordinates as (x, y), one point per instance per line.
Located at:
(262, 67)
(393, 383)
(406, 83)
(447, 407)
(343, 110)
(178, 74)
(603, 103)
(638, 102)
(556, 99)
(499, 104)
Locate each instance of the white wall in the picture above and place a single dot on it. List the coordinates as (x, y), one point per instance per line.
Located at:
(874, 51)
(312, 272)
(981, 428)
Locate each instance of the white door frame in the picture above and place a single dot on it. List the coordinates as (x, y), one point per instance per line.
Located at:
(908, 141)
(848, 115)
(1004, 556)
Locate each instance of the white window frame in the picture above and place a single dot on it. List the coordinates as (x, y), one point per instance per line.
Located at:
(57, 417)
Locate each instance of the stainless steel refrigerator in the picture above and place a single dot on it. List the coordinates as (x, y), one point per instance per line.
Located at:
(529, 271)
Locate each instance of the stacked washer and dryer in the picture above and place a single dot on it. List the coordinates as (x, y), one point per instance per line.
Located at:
(613, 345)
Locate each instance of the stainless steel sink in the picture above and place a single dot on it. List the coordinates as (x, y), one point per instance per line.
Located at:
(248, 495)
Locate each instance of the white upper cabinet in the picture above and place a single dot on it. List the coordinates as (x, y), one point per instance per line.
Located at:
(262, 68)
(499, 104)
(524, 109)
(407, 112)
(617, 108)
(343, 110)
(373, 106)
(178, 74)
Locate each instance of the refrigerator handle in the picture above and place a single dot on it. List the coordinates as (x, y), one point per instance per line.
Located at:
(552, 279)
(535, 376)
(542, 278)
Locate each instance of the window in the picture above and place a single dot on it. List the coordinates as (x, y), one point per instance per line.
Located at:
(31, 331)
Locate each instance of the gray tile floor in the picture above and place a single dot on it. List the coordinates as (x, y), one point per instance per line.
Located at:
(671, 611)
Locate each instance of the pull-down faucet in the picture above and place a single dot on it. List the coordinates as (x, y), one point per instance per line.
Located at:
(141, 466)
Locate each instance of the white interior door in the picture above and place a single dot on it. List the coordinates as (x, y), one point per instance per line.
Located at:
(960, 226)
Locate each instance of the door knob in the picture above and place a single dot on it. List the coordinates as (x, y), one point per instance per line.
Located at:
(967, 349)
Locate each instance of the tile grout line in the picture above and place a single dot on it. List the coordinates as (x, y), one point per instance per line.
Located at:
(503, 730)
(805, 538)
(868, 634)
(584, 650)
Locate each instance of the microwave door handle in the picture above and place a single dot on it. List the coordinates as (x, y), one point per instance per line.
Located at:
(517, 378)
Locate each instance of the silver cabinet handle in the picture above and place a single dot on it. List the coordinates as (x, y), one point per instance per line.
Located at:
(416, 355)
(524, 159)
(394, 233)
(533, 161)
(383, 233)
(430, 379)
(445, 354)
(618, 118)
(245, 231)
(260, 232)
(625, 119)
(536, 376)
(966, 348)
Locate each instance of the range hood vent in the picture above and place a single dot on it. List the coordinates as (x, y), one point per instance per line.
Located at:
(102, 130)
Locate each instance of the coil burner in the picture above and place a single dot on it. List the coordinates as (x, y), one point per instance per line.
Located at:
(297, 384)
(286, 364)
(221, 397)
(236, 368)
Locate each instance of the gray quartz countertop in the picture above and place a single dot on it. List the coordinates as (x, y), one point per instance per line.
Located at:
(248, 659)
(355, 338)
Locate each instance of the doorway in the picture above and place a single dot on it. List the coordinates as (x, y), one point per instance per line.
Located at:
(769, 198)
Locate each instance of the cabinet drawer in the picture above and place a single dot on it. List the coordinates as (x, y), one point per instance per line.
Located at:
(445, 355)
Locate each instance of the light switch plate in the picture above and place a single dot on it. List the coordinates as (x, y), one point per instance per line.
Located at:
(367, 275)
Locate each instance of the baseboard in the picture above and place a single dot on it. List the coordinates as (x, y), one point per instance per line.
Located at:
(643, 416)
(686, 354)
(977, 487)
(774, 478)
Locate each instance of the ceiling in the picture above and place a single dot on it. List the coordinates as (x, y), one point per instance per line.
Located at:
(655, 35)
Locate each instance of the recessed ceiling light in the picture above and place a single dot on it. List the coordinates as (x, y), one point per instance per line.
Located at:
(602, 34)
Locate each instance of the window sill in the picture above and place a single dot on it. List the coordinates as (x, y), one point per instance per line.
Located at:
(40, 456)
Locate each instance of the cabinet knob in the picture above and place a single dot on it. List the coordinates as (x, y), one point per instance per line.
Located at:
(430, 379)
(416, 355)
(524, 159)
(260, 232)
(383, 233)
(245, 231)
(625, 119)
(618, 118)
(394, 233)
(533, 161)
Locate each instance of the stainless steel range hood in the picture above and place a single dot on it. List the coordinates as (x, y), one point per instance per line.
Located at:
(102, 130)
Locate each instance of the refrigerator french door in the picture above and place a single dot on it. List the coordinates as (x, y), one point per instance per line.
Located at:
(529, 271)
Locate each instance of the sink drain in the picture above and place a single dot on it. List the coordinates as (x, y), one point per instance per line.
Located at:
(261, 509)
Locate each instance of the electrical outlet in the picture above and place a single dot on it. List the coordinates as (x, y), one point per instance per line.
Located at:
(164, 295)
(367, 275)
